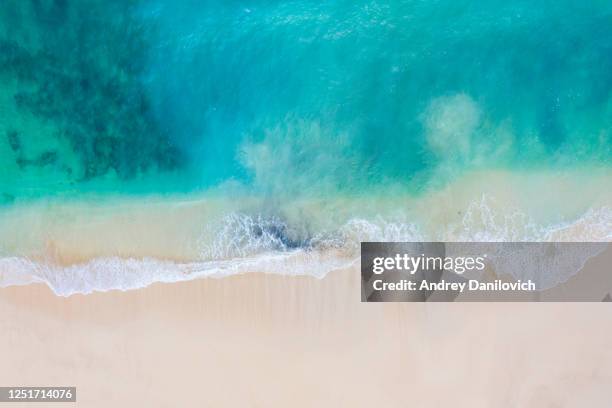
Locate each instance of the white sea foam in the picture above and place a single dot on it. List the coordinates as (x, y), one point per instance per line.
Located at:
(244, 243)
(104, 274)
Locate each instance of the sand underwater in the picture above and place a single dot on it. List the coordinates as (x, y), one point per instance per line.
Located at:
(146, 142)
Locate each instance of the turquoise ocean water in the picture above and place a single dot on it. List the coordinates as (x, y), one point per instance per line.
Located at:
(296, 96)
(296, 100)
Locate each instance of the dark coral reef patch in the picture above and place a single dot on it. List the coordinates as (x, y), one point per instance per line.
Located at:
(79, 66)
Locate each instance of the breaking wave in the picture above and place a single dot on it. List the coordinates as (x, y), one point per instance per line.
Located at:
(256, 243)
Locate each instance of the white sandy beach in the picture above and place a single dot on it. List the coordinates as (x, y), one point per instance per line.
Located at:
(275, 341)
